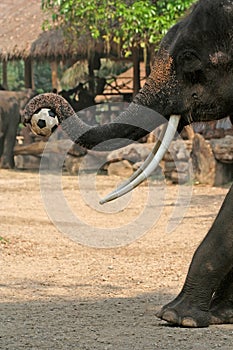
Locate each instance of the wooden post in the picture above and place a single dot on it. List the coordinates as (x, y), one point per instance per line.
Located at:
(54, 75)
(4, 75)
(136, 70)
(28, 76)
(147, 59)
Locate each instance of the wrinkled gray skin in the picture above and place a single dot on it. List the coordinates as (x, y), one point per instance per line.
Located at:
(11, 105)
(193, 77)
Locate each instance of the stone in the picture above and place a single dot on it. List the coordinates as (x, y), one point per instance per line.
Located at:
(223, 149)
(29, 162)
(204, 163)
(72, 164)
(122, 168)
(134, 153)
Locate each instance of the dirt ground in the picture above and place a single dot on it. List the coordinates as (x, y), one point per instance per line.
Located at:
(56, 293)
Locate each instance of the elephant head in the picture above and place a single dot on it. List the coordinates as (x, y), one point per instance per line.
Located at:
(191, 80)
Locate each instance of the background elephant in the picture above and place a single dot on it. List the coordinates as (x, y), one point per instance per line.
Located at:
(11, 106)
(191, 81)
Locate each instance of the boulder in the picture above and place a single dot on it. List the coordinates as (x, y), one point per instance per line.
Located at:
(122, 168)
(204, 163)
(179, 150)
(134, 153)
(177, 164)
(223, 149)
(72, 164)
(27, 162)
(213, 160)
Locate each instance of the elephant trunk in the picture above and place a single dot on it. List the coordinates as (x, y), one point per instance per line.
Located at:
(132, 124)
(138, 120)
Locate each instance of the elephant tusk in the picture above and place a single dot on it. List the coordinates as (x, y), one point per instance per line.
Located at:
(151, 164)
(147, 160)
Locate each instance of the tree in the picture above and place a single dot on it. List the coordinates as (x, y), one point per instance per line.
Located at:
(132, 24)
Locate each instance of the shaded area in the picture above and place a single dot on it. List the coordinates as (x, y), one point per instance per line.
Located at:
(116, 323)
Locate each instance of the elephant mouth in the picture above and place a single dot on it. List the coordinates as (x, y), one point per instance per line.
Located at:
(208, 112)
(151, 162)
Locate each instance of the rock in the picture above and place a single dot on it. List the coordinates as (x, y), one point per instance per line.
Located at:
(178, 171)
(178, 177)
(122, 168)
(176, 160)
(213, 160)
(188, 132)
(157, 173)
(223, 149)
(204, 163)
(223, 174)
(177, 167)
(27, 162)
(179, 150)
(72, 164)
(134, 153)
(94, 161)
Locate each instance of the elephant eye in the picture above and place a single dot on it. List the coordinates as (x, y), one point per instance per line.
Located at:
(190, 62)
(190, 67)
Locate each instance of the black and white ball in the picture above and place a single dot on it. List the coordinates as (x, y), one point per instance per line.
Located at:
(44, 122)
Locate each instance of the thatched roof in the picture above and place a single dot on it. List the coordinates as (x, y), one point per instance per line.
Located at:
(54, 44)
(20, 23)
(21, 34)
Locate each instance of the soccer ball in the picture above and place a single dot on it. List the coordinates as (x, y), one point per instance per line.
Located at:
(44, 122)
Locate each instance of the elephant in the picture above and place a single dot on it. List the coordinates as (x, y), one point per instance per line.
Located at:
(11, 105)
(191, 81)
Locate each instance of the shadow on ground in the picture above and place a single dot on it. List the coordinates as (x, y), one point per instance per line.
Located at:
(115, 323)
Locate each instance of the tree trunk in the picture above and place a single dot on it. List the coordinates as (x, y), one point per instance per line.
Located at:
(93, 64)
(136, 71)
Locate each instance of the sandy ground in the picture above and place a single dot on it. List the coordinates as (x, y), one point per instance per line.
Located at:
(56, 293)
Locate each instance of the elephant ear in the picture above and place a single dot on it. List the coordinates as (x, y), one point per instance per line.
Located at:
(189, 62)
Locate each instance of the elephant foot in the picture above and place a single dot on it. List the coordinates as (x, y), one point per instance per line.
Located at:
(184, 313)
(6, 166)
(222, 313)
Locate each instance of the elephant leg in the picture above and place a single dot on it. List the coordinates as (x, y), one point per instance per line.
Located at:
(1, 136)
(7, 161)
(212, 260)
(221, 307)
(1, 147)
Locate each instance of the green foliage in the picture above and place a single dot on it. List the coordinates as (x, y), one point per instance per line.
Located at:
(15, 75)
(41, 76)
(129, 23)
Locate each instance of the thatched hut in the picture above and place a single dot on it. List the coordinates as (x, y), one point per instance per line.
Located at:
(22, 37)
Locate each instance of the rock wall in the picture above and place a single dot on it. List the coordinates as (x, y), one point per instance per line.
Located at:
(199, 160)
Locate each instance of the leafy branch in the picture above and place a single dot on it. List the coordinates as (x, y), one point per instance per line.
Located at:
(129, 23)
